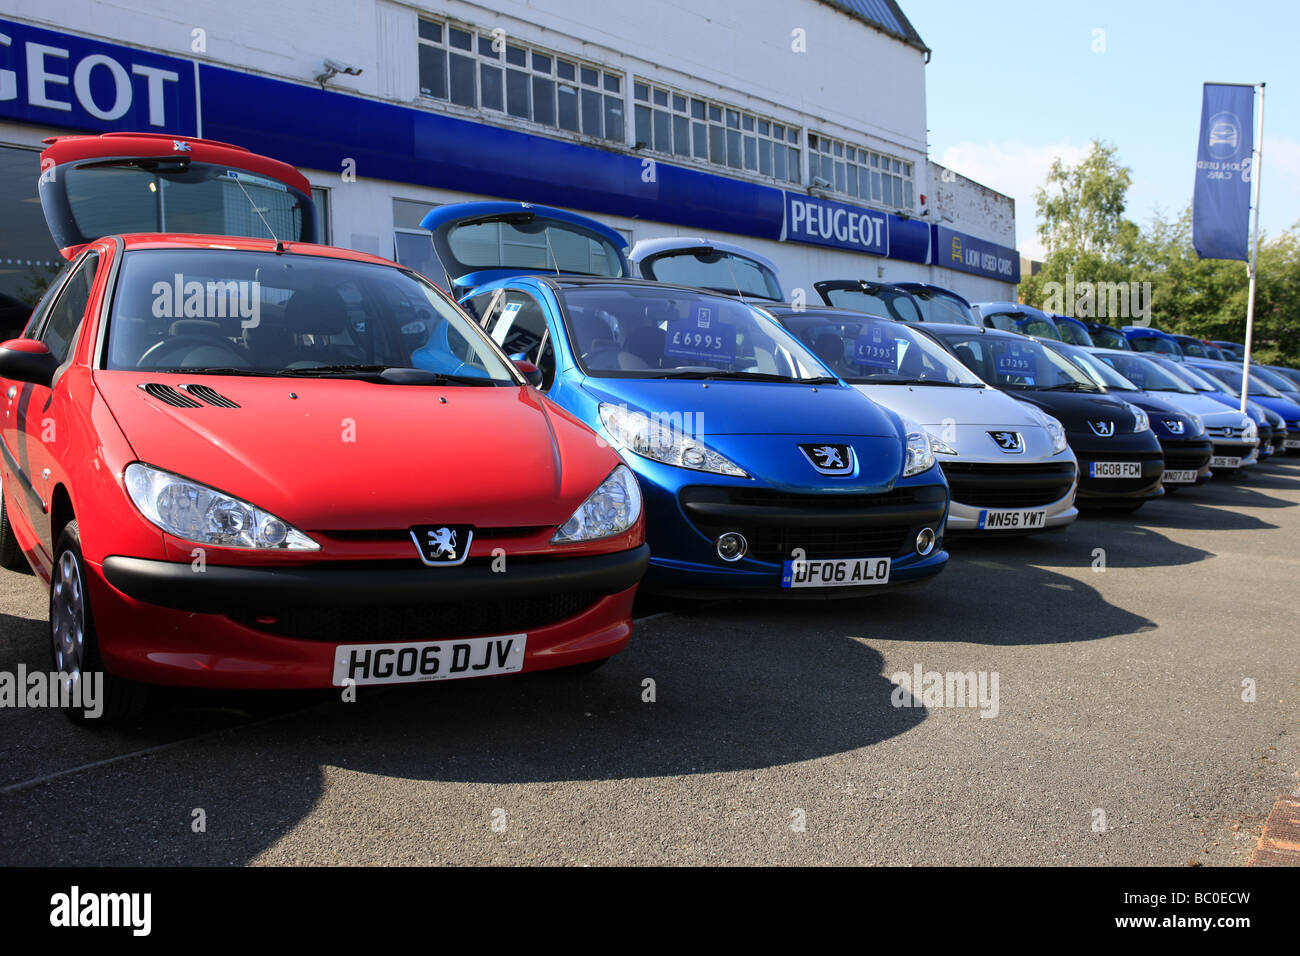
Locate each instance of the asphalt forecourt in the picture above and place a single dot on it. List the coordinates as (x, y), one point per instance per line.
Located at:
(1125, 695)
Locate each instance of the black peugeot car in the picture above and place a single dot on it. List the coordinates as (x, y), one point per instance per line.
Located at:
(1183, 439)
(1120, 461)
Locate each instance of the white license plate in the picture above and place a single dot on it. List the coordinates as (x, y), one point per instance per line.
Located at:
(837, 573)
(428, 660)
(1179, 477)
(1003, 519)
(1114, 469)
(1222, 462)
(1292, 443)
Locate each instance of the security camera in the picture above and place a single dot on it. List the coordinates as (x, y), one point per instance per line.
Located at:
(821, 182)
(333, 68)
(336, 67)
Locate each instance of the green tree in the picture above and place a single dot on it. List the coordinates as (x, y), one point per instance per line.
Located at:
(1083, 228)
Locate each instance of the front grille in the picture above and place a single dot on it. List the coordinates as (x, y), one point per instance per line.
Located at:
(1225, 432)
(990, 485)
(421, 622)
(824, 526)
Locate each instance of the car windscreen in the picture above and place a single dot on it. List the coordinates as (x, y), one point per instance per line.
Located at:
(1144, 373)
(1022, 323)
(1106, 338)
(716, 270)
(1016, 363)
(643, 331)
(262, 313)
(877, 300)
(1155, 343)
(1074, 334)
(533, 245)
(178, 196)
(1278, 381)
(1199, 379)
(1231, 374)
(1195, 349)
(870, 351)
(1097, 370)
(938, 306)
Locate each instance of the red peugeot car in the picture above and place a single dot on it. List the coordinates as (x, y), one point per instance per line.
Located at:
(244, 460)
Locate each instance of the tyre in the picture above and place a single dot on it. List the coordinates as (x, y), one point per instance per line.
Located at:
(73, 643)
(11, 556)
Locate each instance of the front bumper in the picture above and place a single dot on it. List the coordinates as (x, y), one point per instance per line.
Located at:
(1185, 456)
(1141, 448)
(979, 487)
(278, 627)
(687, 521)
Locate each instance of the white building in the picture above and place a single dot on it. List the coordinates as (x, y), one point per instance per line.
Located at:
(796, 127)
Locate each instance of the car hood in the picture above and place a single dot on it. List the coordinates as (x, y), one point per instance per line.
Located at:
(349, 455)
(751, 408)
(936, 405)
(1075, 410)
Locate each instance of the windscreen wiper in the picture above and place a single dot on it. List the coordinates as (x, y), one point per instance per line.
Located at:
(1069, 387)
(391, 374)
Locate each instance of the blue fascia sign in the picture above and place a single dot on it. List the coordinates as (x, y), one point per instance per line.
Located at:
(824, 222)
(56, 79)
(956, 250)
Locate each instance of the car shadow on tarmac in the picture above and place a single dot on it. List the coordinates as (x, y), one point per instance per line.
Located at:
(704, 693)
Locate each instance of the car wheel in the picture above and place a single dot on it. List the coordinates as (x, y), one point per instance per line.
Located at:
(11, 556)
(73, 643)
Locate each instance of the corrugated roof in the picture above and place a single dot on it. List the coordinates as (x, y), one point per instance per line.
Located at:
(884, 15)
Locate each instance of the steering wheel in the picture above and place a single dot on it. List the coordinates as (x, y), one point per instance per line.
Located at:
(152, 358)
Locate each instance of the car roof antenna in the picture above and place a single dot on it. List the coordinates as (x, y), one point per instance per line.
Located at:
(546, 231)
(734, 281)
(279, 246)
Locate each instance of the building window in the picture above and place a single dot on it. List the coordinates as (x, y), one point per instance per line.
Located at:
(29, 260)
(478, 70)
(860, 173)
(675, 124)
(320, 197)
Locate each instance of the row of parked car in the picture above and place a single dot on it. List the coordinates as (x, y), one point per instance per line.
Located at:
(242, 459)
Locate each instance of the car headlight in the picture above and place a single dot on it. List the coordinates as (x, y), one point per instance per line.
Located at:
(1249, 431)
(1198, 424)
(920, 456)
(1140, 421)
(195, 512)
(939, 446)
(636, 432)
(610, 509)
(1055, 431)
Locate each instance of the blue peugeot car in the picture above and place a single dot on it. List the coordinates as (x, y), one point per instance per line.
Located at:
(1142, 338)
(1263, 390)
(763, 473)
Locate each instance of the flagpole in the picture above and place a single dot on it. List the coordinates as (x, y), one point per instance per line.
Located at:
(1254, 251)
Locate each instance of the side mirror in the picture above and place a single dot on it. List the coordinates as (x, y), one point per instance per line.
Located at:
(529, 370)
(27, 360)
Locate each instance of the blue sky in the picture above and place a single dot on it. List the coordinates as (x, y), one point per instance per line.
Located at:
(1014, 83)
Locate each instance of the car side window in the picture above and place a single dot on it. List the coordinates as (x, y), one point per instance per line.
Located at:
(477, 306)
(68, 311)
(518, 324)
(36, 321)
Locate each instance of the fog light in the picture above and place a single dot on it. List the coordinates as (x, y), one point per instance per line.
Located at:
(925, 541)
(732, 546)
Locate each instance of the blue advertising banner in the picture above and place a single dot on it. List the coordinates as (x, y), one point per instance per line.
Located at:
(1224, 167)
(824, 222)
(55, 79)
(956, 250)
